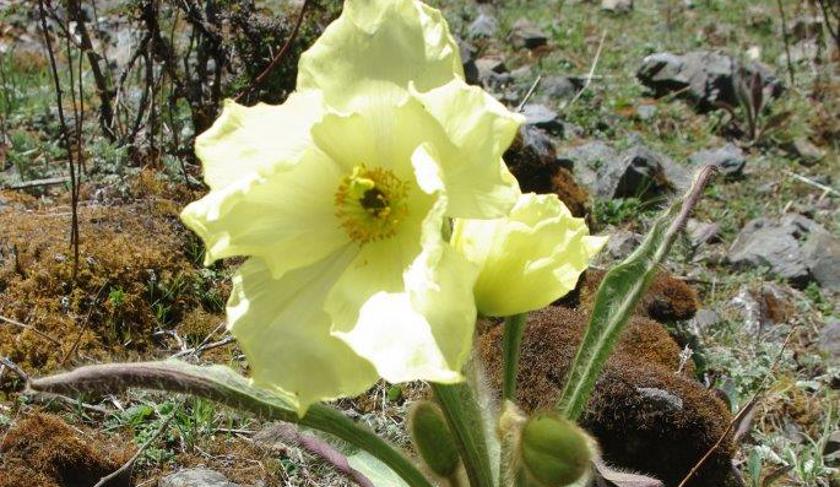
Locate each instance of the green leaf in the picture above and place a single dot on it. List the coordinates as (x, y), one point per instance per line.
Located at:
(618, 295)
(223, 385)
(376, 471)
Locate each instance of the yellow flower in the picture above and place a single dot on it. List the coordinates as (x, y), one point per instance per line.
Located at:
(338, 198)
(528, 259)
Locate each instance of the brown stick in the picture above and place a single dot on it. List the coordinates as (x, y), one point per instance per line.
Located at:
(30, 328)
(278, 57)
(65, 136)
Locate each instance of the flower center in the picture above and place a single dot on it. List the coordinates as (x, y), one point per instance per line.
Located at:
(371, 203)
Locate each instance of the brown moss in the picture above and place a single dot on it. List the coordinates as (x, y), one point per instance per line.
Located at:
(634, 431)
(563, 184)
(135, 273)
(668, 299)
(44, 451)
(533, 163)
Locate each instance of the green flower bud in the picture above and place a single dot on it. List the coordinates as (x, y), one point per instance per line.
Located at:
(554, 451)
(433, 439)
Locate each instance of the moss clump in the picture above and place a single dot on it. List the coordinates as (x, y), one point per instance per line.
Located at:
(531, 158)
(44, 451)
(135, 275)
(668, 299)
(629, 412)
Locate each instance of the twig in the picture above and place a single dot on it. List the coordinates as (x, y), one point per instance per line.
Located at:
(741, 413)
(35, 183)
(65, 136)
(786, 40)
(827, 189)
(30, 328)
(591, 71)
(278, 57)
(203, 348)
(15, 368)
(529, 93)
(130, 463)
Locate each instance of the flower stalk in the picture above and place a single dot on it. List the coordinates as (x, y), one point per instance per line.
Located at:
(511, 348)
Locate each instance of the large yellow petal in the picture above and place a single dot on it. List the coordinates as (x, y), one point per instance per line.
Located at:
(398, 41)
(243, 139)
(478, 182)
(285, 216)
(285, 334)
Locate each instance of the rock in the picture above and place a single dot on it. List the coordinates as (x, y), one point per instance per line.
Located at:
(700, 233)
(822, 256)
(485, 25)
(468, 52)
(804, 151)
(761, 308)
(806, 27)
(703, 320)
(829, 340)
(543, 117)
(554, 88)
(640, 172)
(832, 445)
(729, 159)
(622, 243)
(586, 159)
(703, 77)
(645, 112)
(196, 477)
(617, 6)
(794, 247)
(492, 72)
(526, 34)
(662, 399)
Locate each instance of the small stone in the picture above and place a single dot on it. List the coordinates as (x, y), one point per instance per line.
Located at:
(541, 116)
(829, 339)
(821, 253)
(622, 243)
(196, 477)
(832, 445)
(729, 159)
(662, 398)
(491, 65)
(646, 112)
(553, 88)
(803, 150)
(640, 172)
(700, 233)
(526, 34)
(586, 159)
(773, 244)
(703, 320)
(617, 6)
(485, 25)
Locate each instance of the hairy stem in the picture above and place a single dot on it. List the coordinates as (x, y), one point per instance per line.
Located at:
(511, 349)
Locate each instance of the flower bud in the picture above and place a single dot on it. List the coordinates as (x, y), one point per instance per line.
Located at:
(433, 439)
(554, 451)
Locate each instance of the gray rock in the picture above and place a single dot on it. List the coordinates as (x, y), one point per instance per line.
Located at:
(832, 445)
(665, 400)
(555, 88)
(822, 256)
(646, 112)
(586, 159)
(617, 6)
(639, 172)
(829, 340)
(468, 52)
(196, 477)
(729, 159)
(541, 116)
(794, 247)
(804, 151)
(526, 34)
(703, 320)
(704, 77)
(622, 243)
(485, 25)
(700, 233)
